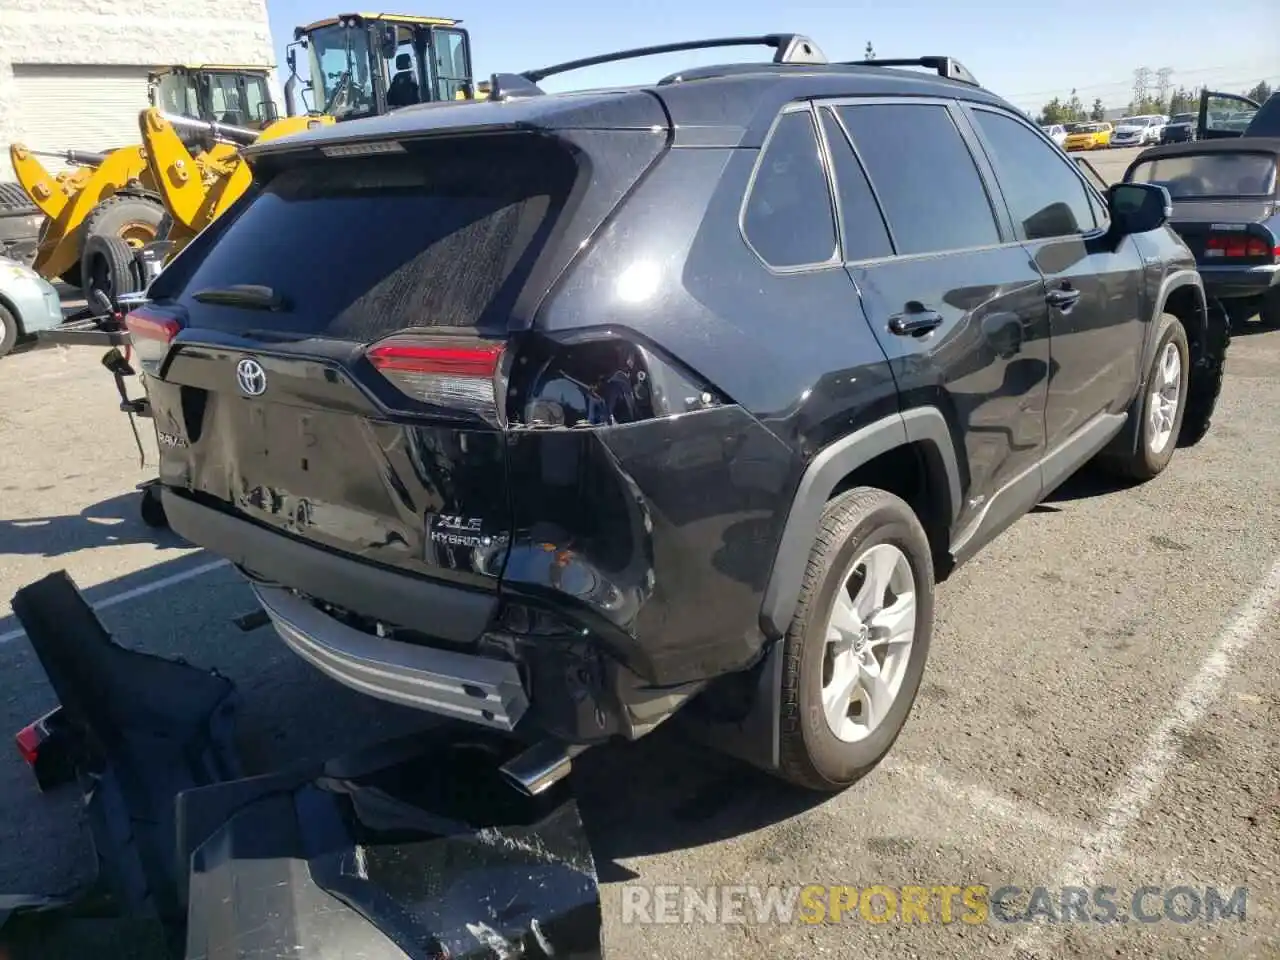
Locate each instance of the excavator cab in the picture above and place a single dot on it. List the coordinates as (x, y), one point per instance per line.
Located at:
(232, 95)
(364, 65)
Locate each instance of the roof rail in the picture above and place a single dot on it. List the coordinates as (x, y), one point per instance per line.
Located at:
(788, 47)
(947, 67)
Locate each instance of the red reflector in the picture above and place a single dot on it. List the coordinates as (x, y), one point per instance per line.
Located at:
(479, 360)
(150, 327)
(29, 739)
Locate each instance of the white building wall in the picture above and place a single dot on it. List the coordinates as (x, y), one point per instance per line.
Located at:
(123, 32)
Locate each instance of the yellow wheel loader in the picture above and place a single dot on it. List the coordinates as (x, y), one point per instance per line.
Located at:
(360, 65)
(113, 194)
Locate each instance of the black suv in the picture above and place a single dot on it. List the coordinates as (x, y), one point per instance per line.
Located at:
(558, 413)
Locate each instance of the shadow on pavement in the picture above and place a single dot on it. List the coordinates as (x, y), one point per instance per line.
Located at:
(106, 523)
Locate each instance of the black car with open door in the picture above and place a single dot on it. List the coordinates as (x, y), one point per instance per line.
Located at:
(1224, 115)
(1226, 207)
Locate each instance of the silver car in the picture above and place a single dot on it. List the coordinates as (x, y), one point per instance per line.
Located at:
(27, 304)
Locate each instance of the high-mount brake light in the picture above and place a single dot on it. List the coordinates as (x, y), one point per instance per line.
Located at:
(455, 373)
(151, 335)
(363, 149)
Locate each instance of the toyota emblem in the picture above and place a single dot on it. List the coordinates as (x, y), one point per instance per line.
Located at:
(251, 377)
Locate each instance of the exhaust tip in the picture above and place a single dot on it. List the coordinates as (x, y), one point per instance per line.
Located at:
(535, 770)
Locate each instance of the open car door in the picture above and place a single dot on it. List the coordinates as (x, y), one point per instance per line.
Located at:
(1224, 115)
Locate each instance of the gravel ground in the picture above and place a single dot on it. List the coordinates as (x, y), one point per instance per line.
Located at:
(1101, 707)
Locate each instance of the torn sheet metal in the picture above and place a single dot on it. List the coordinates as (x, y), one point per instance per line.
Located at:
(413, 848)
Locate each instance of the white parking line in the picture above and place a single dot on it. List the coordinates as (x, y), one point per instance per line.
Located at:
(141, 591)
(1145, 777)
(1015, 812)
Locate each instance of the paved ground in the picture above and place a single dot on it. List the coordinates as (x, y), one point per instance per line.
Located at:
(1102, 705)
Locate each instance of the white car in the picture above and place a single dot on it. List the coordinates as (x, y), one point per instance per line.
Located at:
(1056, 132)
(1138, 131)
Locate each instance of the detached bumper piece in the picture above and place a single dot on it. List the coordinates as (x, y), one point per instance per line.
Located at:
(415, 848)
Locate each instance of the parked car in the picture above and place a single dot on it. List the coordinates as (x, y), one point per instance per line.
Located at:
(27, 304)
(1055, 132)
(1232, 115)
(1226, 207)
(564, 413)
(1181, 128)
(1089, 136)
(1138, 131)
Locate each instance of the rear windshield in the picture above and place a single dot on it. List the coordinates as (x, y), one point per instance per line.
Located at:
(362, 247)
(1211, 175)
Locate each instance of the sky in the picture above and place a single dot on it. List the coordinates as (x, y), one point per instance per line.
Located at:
(1027, 51)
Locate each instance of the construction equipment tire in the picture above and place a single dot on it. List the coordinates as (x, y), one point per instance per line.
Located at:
(132, 218)
(108, 264)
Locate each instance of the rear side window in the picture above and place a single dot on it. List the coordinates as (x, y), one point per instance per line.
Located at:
(358, 248)
(1045, 195)
(1211, 175)
(865, 236)
(924, 175)
(788, 217)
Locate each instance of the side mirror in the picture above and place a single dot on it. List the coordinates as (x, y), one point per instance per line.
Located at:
(1138, 207)
(291, 58)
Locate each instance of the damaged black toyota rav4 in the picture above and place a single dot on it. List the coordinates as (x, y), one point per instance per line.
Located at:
(561, 413)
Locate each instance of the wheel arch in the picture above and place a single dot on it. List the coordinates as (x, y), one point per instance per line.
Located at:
(1182, 294)
(922, 435)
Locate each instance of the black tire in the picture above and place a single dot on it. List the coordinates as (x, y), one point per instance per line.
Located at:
(1206, 378)
(120, 212)
(1143, 463)
(8, 330)
(108, 264)
(151, 508)
(1269, 312)
(810, 753)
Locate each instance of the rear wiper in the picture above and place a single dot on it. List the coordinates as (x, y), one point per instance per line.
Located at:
(251, 296)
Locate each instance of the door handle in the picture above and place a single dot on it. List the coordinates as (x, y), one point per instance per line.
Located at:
(1064, 298)
(915, 322)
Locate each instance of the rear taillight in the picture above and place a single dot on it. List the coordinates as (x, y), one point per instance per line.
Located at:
(151, 334)
(460, 374)
(1235, 246)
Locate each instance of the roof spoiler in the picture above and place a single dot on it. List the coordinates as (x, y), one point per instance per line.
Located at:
(787, 47)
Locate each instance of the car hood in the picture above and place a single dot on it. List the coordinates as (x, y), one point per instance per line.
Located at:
(1129, 129)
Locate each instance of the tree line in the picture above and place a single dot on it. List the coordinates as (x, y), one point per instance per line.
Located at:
(1181, 100)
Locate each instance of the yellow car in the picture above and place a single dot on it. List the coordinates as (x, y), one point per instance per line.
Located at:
(1088, 136)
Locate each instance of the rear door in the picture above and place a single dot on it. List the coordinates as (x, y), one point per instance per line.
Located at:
(959, 308)
(1096, 303)
(1219, 114)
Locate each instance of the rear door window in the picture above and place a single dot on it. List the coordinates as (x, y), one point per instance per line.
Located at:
(864, 234)
(924, 175)
(362, 247)
(1045, 195)
(788, 218)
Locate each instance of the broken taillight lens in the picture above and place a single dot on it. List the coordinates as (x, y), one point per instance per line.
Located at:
(462, 374)
(151, 334)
